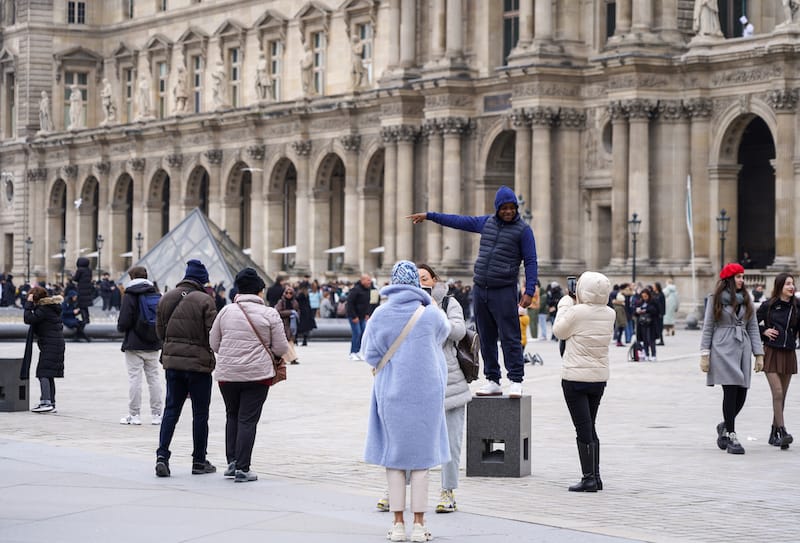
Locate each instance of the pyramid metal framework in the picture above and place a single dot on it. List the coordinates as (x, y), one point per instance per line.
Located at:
(196, 237)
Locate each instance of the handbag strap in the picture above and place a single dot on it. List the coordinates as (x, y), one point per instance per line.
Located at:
(406, 329)
(246, 316)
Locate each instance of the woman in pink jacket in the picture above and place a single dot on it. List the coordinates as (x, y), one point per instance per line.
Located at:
(244, 369)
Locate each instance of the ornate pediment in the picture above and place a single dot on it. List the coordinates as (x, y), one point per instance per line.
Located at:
(8, 58)
(353, 9)
(194, 37)
(79, 56)
(159, 45)
(313, 13)
(271, 22)
(230, 28)
(123, 54)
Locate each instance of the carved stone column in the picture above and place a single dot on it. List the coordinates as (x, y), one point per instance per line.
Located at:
(256, 153)
(784, 102)
(455, 30)
(542, 120)
(101, 170)
(175, 165)
(619, 184)
(352, 231)
(302, 149)
(216, 186)
(699, 111)
(543, 21)
(669, 21)
(438, 26)
(389, 134)
(452, 128)
(393, 29)
(406, 137)
(642, 16)
(522, 153)
(40, 254)
(408, 33)
(433, 130)
(72, 225)
(135, 167)
(623, 25)
(669, 185)
(525, 23)
(570, 245)
(640, 111)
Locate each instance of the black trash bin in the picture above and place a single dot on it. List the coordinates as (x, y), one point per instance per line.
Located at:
(13, 390)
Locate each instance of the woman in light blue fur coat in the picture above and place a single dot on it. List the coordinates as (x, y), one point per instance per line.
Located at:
(407, 428)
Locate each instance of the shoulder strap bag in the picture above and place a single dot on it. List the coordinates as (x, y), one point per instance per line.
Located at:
(278, 363)
(406, 329)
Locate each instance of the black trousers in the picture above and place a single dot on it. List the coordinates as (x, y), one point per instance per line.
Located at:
(243, 403)
(583, 401)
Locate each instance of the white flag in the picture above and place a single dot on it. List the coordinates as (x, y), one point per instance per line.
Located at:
(689, 222)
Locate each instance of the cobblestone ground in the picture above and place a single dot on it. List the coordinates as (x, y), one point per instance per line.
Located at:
(664, 477)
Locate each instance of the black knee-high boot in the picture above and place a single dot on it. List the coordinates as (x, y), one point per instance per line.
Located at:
(597, 465)
(586, 454)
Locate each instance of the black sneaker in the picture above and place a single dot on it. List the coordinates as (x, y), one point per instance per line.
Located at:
(734, 447)
(230, 471)
(201, 468)
(162, 467)
(722, 436)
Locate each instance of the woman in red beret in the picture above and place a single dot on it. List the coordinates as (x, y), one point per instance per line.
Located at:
(730, 339)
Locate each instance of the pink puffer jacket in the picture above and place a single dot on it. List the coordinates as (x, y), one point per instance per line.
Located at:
(240, 355)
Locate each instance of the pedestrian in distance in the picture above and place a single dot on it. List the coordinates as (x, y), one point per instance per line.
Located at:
(358, 311)
(72, 316)
(779, 322)
(407, 428)
(647, 314)
(289, 309)
(141, 346)
(505, 242)
(240, 336)
(86, 292)
(183, 321)
(730, 338)
(671, 304)
(586, 323)
(43, 314)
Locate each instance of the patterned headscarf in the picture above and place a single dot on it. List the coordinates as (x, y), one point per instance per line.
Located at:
(405, 273)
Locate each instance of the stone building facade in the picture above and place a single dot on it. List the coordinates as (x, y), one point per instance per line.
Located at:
(319, 125)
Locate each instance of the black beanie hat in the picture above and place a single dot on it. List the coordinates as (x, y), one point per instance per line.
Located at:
(197, 271)
(248, 282)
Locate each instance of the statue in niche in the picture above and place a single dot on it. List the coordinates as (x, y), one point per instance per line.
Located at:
(143, 98)
(790, 8)
(9, 12)
(45, 120)
(75, 108)
(179, 91)
(263, 81)
(357, 53)
(307, 70)
(706, 19)
(219, 86)
(109, 109)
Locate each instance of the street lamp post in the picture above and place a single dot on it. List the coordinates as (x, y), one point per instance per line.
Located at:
(62, 243)
(139, 242)
(633, 228)
(723, 222)
(99, 241)
(28, 247)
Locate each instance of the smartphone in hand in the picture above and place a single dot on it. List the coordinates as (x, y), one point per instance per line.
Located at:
(572, 282)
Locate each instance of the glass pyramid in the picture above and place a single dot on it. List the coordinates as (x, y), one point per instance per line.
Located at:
(196, 237)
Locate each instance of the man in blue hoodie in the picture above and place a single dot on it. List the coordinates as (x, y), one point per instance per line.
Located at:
(506, 241)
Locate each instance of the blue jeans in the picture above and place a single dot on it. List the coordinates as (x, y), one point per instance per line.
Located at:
(496, 317)
(180, 384)
(357, 331)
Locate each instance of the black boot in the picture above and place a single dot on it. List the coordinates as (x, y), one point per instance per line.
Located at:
(784, 438)
(586, 453)
(773, 436)
(597, 465)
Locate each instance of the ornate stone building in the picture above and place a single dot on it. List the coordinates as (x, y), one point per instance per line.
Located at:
(320, 125)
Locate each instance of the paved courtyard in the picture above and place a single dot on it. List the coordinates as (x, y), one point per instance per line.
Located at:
(81, 476)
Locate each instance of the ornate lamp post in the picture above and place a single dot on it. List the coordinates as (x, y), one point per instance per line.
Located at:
(633, 228)
(62, 244)
(723, 221)
(99, 241)
(28, 246)
(139, 242)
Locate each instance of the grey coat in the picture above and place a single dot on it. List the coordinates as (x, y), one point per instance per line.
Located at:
(732, 342)
(457, 393)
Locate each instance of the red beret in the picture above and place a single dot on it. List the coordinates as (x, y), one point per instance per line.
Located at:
(730, 269)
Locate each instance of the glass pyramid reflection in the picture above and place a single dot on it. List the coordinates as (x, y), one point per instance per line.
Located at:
(196, 237)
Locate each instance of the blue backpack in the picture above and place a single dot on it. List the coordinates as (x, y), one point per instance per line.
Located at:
(145, 326)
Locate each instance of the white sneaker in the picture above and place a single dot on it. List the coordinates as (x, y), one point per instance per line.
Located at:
(156, 419)
(360, 356)
(131, 419)
(420, 533)
(397, 533)
(515, 390)
(490, 389)
(354, 356)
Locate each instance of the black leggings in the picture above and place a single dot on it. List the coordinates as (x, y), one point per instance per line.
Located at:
(583, 401)
(733, 397)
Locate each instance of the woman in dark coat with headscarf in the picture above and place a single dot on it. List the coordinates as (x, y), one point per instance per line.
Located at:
(43, 314)
(83, 279)
(307, 321)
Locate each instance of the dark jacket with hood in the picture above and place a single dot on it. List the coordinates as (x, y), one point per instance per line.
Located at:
(45, 320)
(83, 278)
(503, 246)
(129, 314)
(184, 319)
(358, 302)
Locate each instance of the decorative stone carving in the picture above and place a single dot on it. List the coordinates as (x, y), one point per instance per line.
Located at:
(389, 134)
(37, 174)
(102, 167)
(263, 81)
(448, 100)
(351, 142)
(617, 112)
(180, 92)
(699, 108)
(542, 116)
(671, 110)
(546, 89)
(75, 108)
(143, 99)
(175, 160)
(783, 100)
(357, 72)
(790, 9)
(45, 119)
(572, 118)
(402, 108)
(256, 152)
(219, 87)
(302, 147)
(519, 118)
(70, 171)
(214, 156)
(431, 127)
(454, 125)
(407, 133)
(739, 76)
(639, 108)
(109, 109)
(307, 71)
(136, 164)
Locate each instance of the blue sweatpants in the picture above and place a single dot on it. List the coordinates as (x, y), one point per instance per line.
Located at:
(496, 317)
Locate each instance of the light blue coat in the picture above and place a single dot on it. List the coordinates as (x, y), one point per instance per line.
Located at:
(406, 420)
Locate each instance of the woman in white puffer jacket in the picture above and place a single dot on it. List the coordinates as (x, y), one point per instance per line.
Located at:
(587, 325)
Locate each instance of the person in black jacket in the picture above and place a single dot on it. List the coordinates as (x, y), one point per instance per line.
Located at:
(647, 323)
(83, 280)
(275, 292)
(43, 314)
(72, 317)
(358, 313)
(141, 355)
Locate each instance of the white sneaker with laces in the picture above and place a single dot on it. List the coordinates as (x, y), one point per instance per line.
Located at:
(397, 533)
(420, 533)
(354, 356)
(156, 419)
(383, 503)
(515, 390)
(131, 419)
(490, 389)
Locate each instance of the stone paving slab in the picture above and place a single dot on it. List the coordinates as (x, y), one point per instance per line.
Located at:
(665, 479)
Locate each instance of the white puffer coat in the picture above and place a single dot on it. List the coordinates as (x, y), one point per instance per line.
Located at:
(587, 327)
(240, 354)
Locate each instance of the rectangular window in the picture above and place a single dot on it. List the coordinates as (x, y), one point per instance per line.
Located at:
(129, 9)
(128, 81)
(611, 19)
(76, 12)
(197, 83)
(81, 79)
(162, 5)
(729, 13)
(318, 48)
(276, 67)
(510, 27)
(11, 106)
(234, 75)
(162, 89)
(365, 33)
